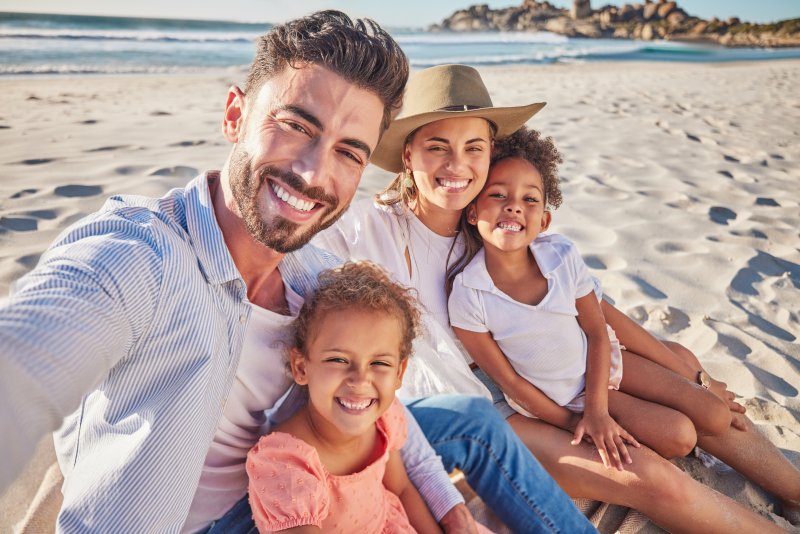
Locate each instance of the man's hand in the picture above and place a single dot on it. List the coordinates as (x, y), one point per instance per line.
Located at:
(458, 519)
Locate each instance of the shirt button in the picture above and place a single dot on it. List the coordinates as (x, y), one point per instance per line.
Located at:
(239, 284)
(242, 318)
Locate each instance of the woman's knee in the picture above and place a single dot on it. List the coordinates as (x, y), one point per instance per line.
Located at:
(679, 439)
(662, 482)
(714, 418)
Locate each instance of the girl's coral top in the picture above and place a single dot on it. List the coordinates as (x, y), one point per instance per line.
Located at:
(290, 487)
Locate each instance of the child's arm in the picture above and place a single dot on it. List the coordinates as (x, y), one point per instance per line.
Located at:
(490, 358)
(305, 529)
(396, 480)
(606, 434)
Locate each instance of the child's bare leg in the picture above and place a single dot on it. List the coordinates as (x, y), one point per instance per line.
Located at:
(651, 484)
(755, 457)
(666, 431)
(647, 380)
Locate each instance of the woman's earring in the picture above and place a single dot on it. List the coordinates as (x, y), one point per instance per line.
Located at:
(408, 182)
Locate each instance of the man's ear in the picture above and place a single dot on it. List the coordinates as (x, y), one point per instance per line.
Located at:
(233, 122)
(472, 214)
(297, 361)
(547, 218)
(400, 372)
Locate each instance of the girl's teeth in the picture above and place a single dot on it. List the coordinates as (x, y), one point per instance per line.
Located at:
(293, 201)
(511, 227)
(355, 405)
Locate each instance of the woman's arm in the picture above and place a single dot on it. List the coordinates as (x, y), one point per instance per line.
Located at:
(396, 480)
(608, 436)
(484, 350)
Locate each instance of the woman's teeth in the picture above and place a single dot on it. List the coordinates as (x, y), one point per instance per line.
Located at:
(453, 184)
(293, 201)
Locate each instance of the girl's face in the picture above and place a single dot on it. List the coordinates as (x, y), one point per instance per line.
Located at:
(510, 211)
(450, 161)
(352, 370)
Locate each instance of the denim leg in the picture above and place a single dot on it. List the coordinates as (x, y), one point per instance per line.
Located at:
(237, 520)
(469, 434)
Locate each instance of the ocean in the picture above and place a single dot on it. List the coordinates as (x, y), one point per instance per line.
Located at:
(32, 44)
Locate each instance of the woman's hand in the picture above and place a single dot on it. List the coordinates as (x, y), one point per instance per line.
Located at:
(608, 436)
(720, 389)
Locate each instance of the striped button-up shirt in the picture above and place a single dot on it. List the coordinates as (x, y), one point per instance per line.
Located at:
(141, 306)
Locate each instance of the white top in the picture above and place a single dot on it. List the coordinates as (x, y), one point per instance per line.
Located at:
(370, 231)
(257, 385)
(544, 343)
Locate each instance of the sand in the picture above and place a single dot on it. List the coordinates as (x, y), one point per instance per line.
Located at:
(681, 189)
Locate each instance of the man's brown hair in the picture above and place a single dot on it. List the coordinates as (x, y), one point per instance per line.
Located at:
(359, 51)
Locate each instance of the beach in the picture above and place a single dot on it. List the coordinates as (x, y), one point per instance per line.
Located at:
(681, 186)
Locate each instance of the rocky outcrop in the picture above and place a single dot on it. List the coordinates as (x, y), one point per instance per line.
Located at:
(649, 20)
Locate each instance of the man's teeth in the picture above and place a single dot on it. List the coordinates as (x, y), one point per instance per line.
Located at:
(293, 201)
(360, 405)
(513, 227)
(456, 184)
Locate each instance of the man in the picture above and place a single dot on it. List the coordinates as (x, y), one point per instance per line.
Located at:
(150, 331)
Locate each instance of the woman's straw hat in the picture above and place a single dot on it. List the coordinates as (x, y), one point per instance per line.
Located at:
(445, 92)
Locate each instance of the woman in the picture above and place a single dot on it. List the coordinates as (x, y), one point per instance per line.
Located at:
(440, 145)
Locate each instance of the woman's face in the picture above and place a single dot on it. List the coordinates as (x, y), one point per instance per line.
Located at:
(450, 161)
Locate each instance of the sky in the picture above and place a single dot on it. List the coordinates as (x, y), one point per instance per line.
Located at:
(405, 13)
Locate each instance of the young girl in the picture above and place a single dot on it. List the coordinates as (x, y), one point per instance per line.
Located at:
(525, 309)
(335, 466)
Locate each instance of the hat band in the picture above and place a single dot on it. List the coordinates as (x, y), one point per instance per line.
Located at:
(465, 107)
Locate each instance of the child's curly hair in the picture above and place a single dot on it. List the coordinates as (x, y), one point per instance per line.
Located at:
(541, 153)
(358, 286)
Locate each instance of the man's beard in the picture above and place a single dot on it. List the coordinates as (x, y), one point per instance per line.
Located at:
(276, 232)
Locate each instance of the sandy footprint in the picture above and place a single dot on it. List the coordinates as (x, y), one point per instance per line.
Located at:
(24, 193)
(178, 171)
(19, 224)
(76, 190)
(660, 319)
(189, 143)
(110, 148)
(680, 248)
(604, 262)
(721, 214)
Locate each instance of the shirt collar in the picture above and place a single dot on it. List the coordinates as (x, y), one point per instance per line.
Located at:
(213, 255)
(476, 276)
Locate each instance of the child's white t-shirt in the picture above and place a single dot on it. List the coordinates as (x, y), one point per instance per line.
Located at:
(544, 343)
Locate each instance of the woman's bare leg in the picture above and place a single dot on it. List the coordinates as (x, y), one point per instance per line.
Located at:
(755, 457)
(650, 484)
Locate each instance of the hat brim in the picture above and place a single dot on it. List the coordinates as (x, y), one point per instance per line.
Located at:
(388, 154)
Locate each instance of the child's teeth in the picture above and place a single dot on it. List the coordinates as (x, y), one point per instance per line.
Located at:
(355, 405)
(512, 227)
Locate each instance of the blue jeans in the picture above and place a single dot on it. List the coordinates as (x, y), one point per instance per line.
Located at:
(470, 435)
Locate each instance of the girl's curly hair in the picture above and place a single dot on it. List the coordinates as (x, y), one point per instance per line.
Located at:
(540, 152)
(358, 286)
